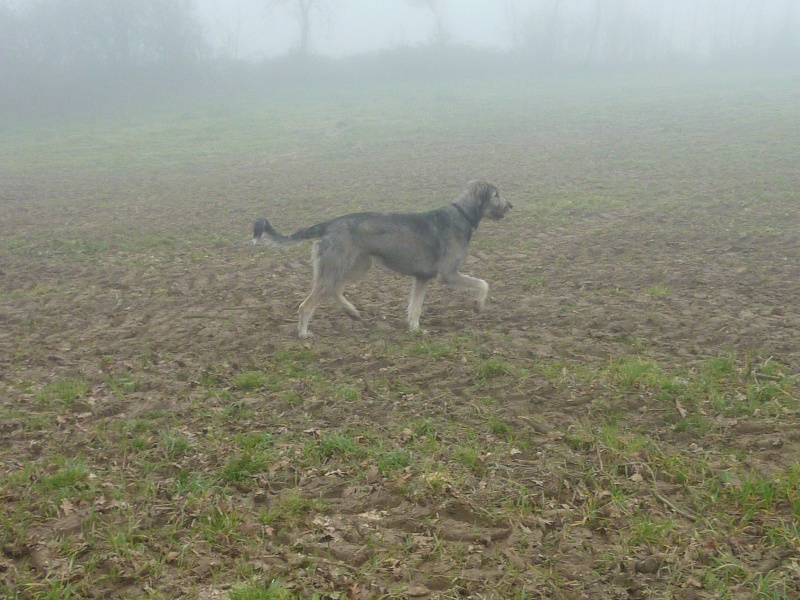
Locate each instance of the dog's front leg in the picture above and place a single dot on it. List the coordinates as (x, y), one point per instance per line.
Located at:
(418, 289)
(483, 292)
(464, 283)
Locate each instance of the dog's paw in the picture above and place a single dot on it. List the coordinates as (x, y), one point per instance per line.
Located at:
(356, 316)
(477, 306)
(304, 335)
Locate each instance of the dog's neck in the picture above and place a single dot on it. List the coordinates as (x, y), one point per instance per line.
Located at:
(473, 222)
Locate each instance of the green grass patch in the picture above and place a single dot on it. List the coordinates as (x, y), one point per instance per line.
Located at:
(492, 368)
(498, 426)
(254, 441)
(658, 289)
(64, 479)
(345, 392)
(186, 482)
(64, 391)
(434, 350)
(249, 380)
(395, 460)
(236, 412)
(467, 454)
(334, 445)
(275, 590)
(123, 383)
(635, 373)
(423, 428)
(176, 446)
(290, 508)
(67, 475)
(245, 465)
(654, 532)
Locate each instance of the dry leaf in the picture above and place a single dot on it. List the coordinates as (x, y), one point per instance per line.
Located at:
(67, 507)
(372, 475)
(417, 591)
(694, 582)
(681, 411)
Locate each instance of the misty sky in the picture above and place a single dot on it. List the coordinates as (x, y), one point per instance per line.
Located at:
(247, 29)
(351, 27)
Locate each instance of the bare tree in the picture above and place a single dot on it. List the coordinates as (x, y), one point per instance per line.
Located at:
(10, 30)
(302, 11)
(436, 7)
(594, 37)
(539, 29)
(231, 28)
(114, 36)
(67, 54)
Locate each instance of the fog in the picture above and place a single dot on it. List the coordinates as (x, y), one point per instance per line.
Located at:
(254, 29)
(57, 54)
(628, 30)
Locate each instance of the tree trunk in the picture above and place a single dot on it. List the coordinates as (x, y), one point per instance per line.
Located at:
(305, 26)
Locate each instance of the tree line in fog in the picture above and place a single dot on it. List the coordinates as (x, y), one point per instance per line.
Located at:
(95, 48)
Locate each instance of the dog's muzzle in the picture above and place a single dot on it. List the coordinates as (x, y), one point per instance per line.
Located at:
(498, 211)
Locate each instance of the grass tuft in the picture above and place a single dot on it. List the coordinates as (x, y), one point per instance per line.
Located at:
(249, 380)
(64, 391)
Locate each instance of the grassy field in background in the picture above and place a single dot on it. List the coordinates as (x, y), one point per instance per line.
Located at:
(621, 422)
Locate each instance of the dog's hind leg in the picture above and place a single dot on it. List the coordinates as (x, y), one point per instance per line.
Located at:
(320, 289)
(308, 307)
(464, 283)
(351, 272)
(351, 310)
(418, 289)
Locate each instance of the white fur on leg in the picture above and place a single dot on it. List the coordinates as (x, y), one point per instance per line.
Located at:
(483, 292)
(306, 311)
(351, 310)
(302, 327)
(464, 283)
(418, 289)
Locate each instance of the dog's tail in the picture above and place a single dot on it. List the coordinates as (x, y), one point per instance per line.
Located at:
(262, 226)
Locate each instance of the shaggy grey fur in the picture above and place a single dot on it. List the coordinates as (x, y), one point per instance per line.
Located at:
(422, 245)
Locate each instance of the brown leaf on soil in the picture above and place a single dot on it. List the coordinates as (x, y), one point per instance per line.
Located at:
(372, 475)
(67, 507)
(693, 582)
(681, 411)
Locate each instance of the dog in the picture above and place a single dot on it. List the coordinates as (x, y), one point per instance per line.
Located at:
(421, 245)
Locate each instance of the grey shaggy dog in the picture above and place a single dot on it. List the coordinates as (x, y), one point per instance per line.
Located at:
(422, 245)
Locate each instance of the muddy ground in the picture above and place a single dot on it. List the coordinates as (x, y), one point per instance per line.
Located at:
(142, 286)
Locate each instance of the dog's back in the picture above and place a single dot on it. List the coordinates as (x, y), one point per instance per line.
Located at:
(423, 245)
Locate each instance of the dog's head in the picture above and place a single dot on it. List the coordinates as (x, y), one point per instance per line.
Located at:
(493, 205)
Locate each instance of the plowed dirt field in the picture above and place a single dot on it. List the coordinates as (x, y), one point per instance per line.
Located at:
(621, 422)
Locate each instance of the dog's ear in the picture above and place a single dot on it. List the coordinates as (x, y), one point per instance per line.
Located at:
(486, 191)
